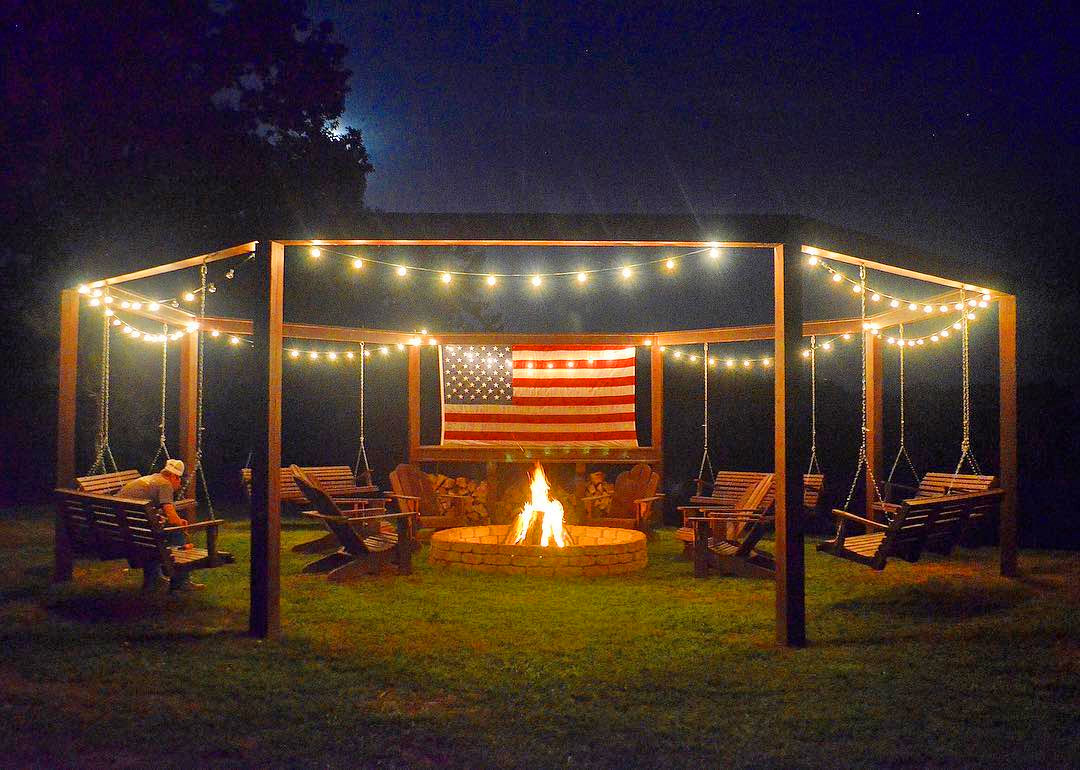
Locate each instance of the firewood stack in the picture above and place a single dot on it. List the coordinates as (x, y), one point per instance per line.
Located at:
(475, 492)
(598, 485)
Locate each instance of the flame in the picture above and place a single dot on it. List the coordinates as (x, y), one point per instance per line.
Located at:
(540, 505)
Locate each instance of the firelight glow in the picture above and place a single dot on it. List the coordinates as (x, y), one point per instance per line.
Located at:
(543, 506)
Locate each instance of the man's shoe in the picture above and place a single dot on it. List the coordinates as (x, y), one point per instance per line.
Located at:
(187, 585)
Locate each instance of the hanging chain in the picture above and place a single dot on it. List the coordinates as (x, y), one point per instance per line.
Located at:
(965, 364)
(104, 456)
(706, 460)
(198, 473)
(902, 450)
(813, 407)
(863, 461)
(163, 449)
(361, 455)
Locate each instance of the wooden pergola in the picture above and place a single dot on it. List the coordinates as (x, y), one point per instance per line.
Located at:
(268, 329)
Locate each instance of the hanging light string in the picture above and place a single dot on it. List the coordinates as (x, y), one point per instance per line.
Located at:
(813, 407)
(104, 457)
(626, 270)
(902, 450)
(965, 441)
(862, 463)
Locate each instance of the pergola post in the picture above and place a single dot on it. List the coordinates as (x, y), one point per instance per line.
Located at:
(656, 387)
(875, 417)
(65, 421)
(790, 560)
(265, 613)
(414, 401)
(1007, 530)
(189, 401)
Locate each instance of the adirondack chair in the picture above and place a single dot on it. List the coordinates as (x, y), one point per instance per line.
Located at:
(738, 556)
(107, 527)
(932, 485)
(414, 493)
(732, 492)
(111, 483)
(928, 523)
(365, 546)
(336, 480)
(632, 503)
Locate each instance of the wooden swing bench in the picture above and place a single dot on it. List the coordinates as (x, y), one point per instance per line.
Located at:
(111, 483)
(107, 527)
(336, 480)
(932, 485)
(366, 545)
(925, 523)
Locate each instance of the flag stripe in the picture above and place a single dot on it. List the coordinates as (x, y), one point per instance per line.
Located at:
(536, 419)
(576, 363)
(512, 437)
(576, 383)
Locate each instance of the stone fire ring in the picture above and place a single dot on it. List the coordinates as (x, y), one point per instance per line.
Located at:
(596, 551)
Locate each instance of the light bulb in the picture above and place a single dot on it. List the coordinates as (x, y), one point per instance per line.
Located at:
(94, 302)
(95, 293)
(215, 333)
(971, 316)
(446, 278)
(358, 263)
(846, 336)
(944, 308)
(627, 272)
(84, 289)
(972, 302)
(234, 340)
(806, 354)
(294, 354)
(856, 289)
(766, 361)
(136, 306)
(934, 338)
(928, 309)
(189, 297)
(125, 304)
(911, 343)
(350, 355)
(875, 297)
(984, 303)
(912, 306)
(490, 280)
(826, 346)
(837, 278)
(747, 362)
(537, 280)
(891, 340)
(582, 277)
(108, 312)
(693, 359)
(958, 306)
(712, 362)
(135, 334)
(423, 332)
(401, 346)
(812, 261)
(919, 341)
(153, 306)
(315, 252)
(433, 341)
(332, 356)
(986, 297)
(957, 325)
(367, 354)
(647, 342)
(384, 350)
(313, 355)
(944, 332)
(402, 271)
(116, 322)
(415, 341)
(894, 303)
(663, 348)
(714, 252)
(731, 362)
(678, 354)
(670, 264)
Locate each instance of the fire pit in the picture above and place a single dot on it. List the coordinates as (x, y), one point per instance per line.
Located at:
(539, 543)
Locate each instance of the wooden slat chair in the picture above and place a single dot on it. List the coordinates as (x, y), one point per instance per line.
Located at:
(365, 546)
(932, 485)
(336, 480)
(414, 493)
(632, 503)
(738, 556)
(731, 491)
(111, 483)
(927, 523)
(107, 527)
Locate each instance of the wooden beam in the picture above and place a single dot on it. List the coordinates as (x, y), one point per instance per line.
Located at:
(167, 314)
(189, 402)
(598, 455)
(1007, 528)
(265, 612)
(170, 267)
(656, 418)
(790, 560)
(526, 243)
(65, 422)
(875, 417)
(414, 404)
(836, 256)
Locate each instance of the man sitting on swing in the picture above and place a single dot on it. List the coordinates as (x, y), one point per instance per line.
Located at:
(159, 489)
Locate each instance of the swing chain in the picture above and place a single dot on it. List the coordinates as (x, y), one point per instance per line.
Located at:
(361, 455)
(163, 448)
(902, 450)
(965, 363)
(706, 460)
(198, 473)
(863, 462)
(813, 407)
(104, 451)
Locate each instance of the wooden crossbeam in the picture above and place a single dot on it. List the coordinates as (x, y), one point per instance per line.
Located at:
(170, 267)
(836, 256)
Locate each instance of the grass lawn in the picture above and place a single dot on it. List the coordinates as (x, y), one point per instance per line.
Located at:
(937, 664)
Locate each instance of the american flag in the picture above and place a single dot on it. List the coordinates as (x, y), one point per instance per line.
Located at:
(535, 395)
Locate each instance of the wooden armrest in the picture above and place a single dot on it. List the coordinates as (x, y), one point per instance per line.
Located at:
(382, 516)
(652, 499)
(596, 497)
(396, 496)
(450, 495)
(851, 516)
(194, 525)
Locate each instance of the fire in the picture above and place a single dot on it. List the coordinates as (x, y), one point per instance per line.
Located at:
(541, 512)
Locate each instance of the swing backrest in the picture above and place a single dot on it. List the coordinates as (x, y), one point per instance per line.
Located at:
(730, 489)
(106, 483)
(938, 484)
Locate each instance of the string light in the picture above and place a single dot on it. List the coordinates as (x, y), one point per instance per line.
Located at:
(537, 280)
(446, 278)
(490, 280)
(627, 272)
(358, 263)
(402, 271)
(315, 252)
(670, 264)
(582, 277)
(812, 261)
(84, 289)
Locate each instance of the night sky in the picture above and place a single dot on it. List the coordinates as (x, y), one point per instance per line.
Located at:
(951, 130)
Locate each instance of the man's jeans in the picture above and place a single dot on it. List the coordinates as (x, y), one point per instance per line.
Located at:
(152, 574)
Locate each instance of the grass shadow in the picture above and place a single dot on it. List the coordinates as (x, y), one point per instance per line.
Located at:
(117, 606)
(937, 599)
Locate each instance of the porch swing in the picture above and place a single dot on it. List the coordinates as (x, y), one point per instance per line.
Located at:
(351, 486)
(932, 521)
